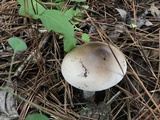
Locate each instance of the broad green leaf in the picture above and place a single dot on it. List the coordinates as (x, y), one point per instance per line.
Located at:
(69, 42)
(85, 37)
(36, 117)
(58, 22)
(17, 44)
(30, 8)
(71, 13)
(78, 0)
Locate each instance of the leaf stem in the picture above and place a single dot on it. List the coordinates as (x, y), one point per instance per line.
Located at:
(10, 69)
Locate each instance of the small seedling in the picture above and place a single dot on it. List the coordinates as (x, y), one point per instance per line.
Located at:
(17, 45)
(85, 37)
(133, 25)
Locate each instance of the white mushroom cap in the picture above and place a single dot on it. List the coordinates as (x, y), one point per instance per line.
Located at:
(94, 66)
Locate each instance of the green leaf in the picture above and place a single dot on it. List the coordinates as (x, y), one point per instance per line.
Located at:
(78, 0)
(36, 117)
(133, 25)
(58, 22)
(85, 37)
(69, 43)
(17, 44)
(60, 5)
(30, 8)
(71, 13)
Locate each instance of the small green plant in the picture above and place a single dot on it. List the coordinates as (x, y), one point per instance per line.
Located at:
(17, 45)
(85, 37)
(52, 19)
(133, 25)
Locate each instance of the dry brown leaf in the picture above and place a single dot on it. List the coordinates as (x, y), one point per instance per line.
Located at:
(7, 105)
(154, 10)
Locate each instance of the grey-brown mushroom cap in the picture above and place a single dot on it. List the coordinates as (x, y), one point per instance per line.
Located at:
(94, 66)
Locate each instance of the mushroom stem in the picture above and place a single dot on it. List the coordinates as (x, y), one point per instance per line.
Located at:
(88, 95)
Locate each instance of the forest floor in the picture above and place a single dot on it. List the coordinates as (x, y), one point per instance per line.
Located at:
(131, 26)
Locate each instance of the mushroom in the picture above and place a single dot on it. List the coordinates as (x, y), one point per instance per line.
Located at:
(94, 66)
